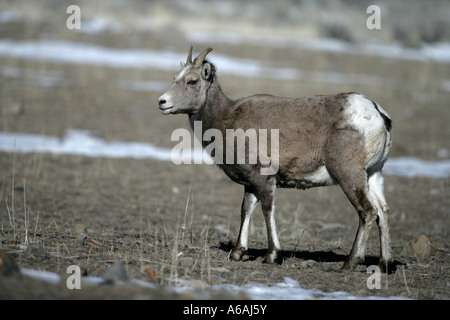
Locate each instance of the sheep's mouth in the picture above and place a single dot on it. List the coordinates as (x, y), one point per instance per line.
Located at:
(165, 110)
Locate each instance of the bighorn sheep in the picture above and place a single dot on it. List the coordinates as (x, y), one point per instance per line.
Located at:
(324, 140)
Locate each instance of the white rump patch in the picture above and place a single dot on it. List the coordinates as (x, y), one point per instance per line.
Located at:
(363, 115)
(366, 119)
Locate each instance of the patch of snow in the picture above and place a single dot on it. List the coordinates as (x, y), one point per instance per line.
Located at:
(84, 143)
(439, 52)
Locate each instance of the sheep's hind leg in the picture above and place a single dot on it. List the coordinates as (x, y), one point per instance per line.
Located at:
(376, 186)
(248, 206)
(357, 191)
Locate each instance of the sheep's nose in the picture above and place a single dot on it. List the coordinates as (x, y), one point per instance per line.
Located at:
(161, 102)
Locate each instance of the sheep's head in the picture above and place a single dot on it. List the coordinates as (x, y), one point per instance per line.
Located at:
(190, 86)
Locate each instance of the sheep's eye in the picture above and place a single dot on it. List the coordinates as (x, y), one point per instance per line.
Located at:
(192, 82)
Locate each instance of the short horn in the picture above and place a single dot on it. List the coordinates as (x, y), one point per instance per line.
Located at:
(199, 60)
(189, 57)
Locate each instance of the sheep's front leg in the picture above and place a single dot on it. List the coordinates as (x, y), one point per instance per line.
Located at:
(248, 206)
(267, 198)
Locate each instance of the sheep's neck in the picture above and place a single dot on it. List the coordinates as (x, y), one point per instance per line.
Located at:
(215, 108)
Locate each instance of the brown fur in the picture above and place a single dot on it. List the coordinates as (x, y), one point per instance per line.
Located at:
(318, 145)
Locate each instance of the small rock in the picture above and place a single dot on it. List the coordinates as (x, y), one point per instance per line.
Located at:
(14, 109)
(81, 238)
(175, 190)
(8, 264)
(84, 239)
(197, 284)
(220, 269)
(187, 262)
(309, 264)
(80, 228)
(150, 272)
(115, 273)
(35, 252)
(421, 247)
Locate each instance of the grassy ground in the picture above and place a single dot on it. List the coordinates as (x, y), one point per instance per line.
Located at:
(179, 222)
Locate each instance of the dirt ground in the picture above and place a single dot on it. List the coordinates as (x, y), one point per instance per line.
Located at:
(167, 223)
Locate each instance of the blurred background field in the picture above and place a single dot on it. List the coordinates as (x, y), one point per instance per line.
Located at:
(106, 77)
(125, 54)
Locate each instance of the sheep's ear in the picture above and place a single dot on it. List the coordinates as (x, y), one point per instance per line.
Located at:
(206, 71)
